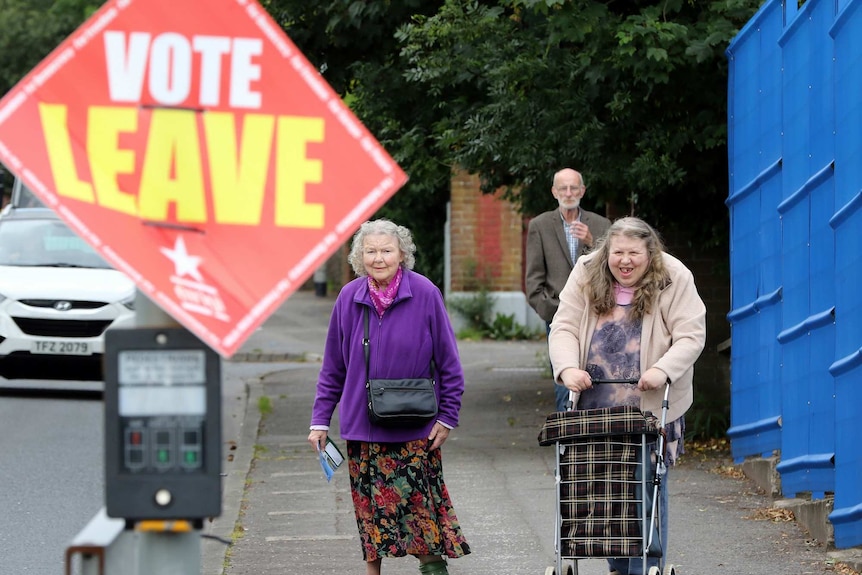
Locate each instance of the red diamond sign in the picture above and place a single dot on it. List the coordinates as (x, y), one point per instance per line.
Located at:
(200, 152)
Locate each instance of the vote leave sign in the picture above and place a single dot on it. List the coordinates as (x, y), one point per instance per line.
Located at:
(199, 152)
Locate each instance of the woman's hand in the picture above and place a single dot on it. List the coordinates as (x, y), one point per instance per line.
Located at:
(438, 436)
(653, 378)
(576, 380)
(317, 438)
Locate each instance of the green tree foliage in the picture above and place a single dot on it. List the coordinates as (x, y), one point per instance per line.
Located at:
(353, 44)
(634, 94)
(31, 29)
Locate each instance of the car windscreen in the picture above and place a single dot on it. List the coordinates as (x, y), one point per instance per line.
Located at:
(23, 197)
(45, 242)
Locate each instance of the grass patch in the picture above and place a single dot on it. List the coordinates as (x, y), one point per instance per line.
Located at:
(264, 405)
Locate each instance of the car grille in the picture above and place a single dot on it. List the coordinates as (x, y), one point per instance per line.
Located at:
(62, 327)
(75, 304)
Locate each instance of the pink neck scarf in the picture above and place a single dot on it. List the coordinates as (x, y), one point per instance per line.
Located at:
(624, 295)
(383, 298)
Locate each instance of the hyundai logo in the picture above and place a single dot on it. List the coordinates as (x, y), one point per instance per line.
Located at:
(62, 305)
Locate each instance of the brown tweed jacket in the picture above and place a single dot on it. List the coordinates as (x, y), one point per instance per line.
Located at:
(548, 260)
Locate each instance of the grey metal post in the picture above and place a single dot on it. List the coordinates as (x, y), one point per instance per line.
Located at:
(105, 547)
(148, 314)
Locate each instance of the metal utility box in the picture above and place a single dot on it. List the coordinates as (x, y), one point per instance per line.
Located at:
(162, 425)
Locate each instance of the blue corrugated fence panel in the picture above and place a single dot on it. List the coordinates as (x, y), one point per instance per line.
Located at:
(822, 327)
(795, 373)
(846, 516)
(847, 224)
(770, 129)
(769, 274)
(807, 441)
(755, 237)
(822, 239)
(754, 130)
(795, 364)
(755, 390)
(821, 117)
(744, 261)
(743, 109)
(754, 144)
(847, 34)
(745, 399)
(795, 158)
(807, 340)
(821, 426)
(796, 99)
(796, 274)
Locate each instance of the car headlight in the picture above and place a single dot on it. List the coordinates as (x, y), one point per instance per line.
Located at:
(128, 301)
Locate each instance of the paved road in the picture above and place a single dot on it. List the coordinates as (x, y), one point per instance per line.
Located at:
(51, 476)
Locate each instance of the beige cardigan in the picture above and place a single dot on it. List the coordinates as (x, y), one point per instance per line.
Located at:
(672, 335)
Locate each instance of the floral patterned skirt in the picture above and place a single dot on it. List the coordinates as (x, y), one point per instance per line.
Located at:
(401, 502)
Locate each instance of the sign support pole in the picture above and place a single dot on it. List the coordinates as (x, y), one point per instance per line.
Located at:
(148, 314)
(141, 544)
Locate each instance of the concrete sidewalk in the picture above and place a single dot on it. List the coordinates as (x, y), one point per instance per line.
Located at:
(284, 518)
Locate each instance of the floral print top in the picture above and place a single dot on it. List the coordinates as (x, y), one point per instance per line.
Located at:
(615, 354)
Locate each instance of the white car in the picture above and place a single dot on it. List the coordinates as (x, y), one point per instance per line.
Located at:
(57, 298)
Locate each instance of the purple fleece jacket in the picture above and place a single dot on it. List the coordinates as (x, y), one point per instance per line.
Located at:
(415, 327)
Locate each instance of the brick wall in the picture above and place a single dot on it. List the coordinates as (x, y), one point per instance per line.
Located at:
(486, 238)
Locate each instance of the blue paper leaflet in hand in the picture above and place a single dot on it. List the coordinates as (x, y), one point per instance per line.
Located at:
(330, 459)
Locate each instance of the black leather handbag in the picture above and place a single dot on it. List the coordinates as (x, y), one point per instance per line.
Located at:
(409, 402)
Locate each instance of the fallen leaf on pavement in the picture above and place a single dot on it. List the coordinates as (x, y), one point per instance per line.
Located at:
(774, 514)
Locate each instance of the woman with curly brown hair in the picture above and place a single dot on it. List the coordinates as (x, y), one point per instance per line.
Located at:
(630, 310)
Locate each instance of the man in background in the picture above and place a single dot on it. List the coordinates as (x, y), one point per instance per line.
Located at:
(555, 241)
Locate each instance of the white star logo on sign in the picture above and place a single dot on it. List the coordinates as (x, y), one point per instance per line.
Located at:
(184, 263)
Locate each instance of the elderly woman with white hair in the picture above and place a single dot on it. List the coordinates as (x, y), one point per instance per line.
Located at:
(401, 502)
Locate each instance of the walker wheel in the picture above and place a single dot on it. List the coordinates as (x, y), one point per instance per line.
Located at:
(653, 571)
(568, 570)
(669, 569)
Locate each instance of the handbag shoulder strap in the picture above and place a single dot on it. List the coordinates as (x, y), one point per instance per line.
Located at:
(366, 344)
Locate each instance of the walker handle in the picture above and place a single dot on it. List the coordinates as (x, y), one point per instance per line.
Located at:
(570, 402)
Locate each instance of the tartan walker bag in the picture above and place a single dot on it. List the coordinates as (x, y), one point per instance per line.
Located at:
(409, 402)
